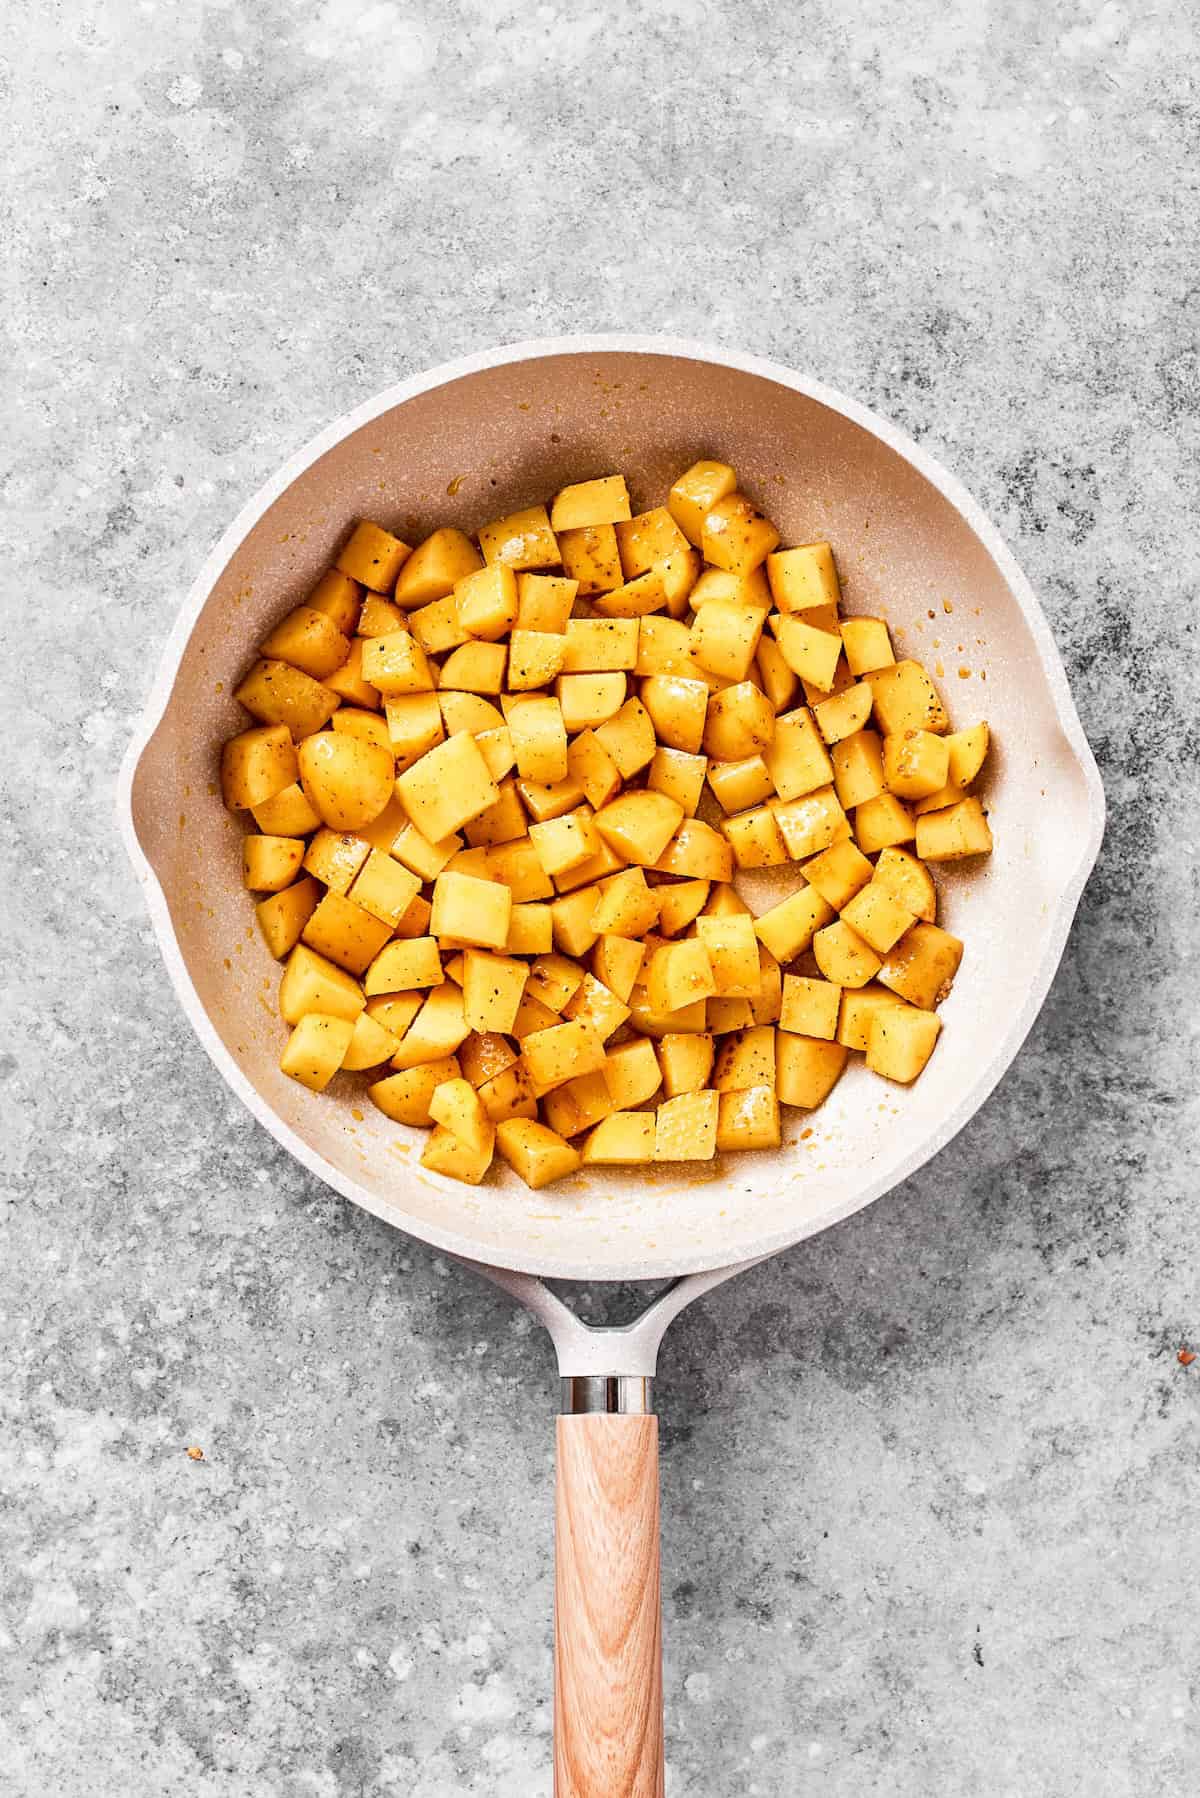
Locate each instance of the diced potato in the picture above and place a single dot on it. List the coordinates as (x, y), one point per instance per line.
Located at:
(532, 1015)
(282, 917)
(405, 1097)
(679, 572)
(602, 501)
(807, 1069)
(402, 965)
(379, 617)
(496, 748)
(808, 651)
(639, 825)
(811, 824)
(882, 822)
(369, 1045)
(575, 1107)
(538, 1155)
(950, 835)
(648, 539)
(685, 1128)
(867, 644)
(384, 888)
(745, 1060)
(312, 983)
(597, 1005)
(275, 693)
(915, 763)
(877, 916)
(439, 1028)
(475, 668)
(649, 1022)
(769, 1002)
(740, 785)
(922, 966)
(339, 598)
(396, 664)
(740, 722)
(838, 872)
(373, 556)
(369, 727)
(543, 803)
(677, 707)
(434, 568)
(471, 911)
(309, 640)
(724, 1016)
(617, 961)
(735, 536)
(415, 921)
(900, 1041)
(394, 1011)
(748, 1118)
(626, 1138)
(724, 901)
(908, 881)
(755, 839)
(521, 540)
(555, 979)
(484, 1054)
(315, 1050)
(664, 647)
(457, 1107)
(589, 700)
(509, 1095)
(445, 1153)
(256, 766)
(680, 776)
(733, 952)
(425, 858)
(438, 627)
(347, 682)
(626, 906)
(517, 866)
(858, 1010)
(347, 782)
(345, 933)
(843, 956)
(779, 682)
(858, 768)
(487, 602)
(968, 752)
(287, 814)
(530, 930)
(539, 739)
(788, 928)
(696, 492)
(270, 863)
(534, 659)
(686, 1061)
(590, 766)
(679, 902)
(544, 602)
(796, 759)
(628, 736)
(696, 852)
(414, 722)
(725, 638)
(600, 645)
(492, 989)
(678, 974)
(844, 713)
(631, 1073)
(592, 559)
(448, 787)
(810, 1007)
(565, 843)
(635, 599)
(561, 1053)
(803, 577)
(905, 698)
(502, 822)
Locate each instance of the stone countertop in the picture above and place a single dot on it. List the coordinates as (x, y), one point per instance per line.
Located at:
(932, 1513)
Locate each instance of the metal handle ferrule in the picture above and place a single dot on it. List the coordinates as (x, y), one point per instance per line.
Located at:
(616, 1393)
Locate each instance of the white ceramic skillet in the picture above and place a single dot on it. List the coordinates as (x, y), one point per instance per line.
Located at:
(465, 443)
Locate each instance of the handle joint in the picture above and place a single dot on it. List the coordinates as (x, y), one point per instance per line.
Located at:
(618, 1394)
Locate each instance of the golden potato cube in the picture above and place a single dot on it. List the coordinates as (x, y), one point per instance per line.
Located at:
(484, 1054)
(517, 866)
(915, 763)
(315, 1050)
(867, 644)
(626, 1138)
(395, 1011)
(288, 813)
(509, 1095)
(502, 822)
(905, 698)
(283, 916)
(308, 640)
(404, 964)
(590, 767)
(275, 693)
(679, 903)
(535, 658)
(544, 602)
(844, 713)
(685, 1128)
(312, 983)
(678, 974)
(555, 979)
(900, 1041)
(877, 916)
(496, 748)
(543, 803)
(811, 824)
(575, 1107)
(803, 577)
(909, 882)
(629, 738)
(733, 952)
(605, 861)
(677, 706)
(950, 835)
(475, 668)
(468, 711)
(379, 617)
(725, 639)
(748, 1118)
(347, 682)
(270, 863)
(373, 556)
(597, 1005)
(639, 825)
(381, 832)
(415, 921)
(600, 645)
(858, 1010)
(457, 1107)
(807, 1069)
(664, 647)
(532, 1015)
(738, 786)
(740, 722)
(564, 843)
(589, 700)
(843, 956)
(445, 1153)
(383, 887)
(724, 901)
(345, 933)
(425, 858)
(405, 1097)
(809, 1007)
(534, 1152)
(882, 822)
(695, 494)
(838, 873)
(626, 907)
(735, 536)
(724, 1016)
(617, 961)
(796, 759)
(602, 501)
(679, 572)
(755, 839)
(397, 664)
(968, 752)
(922, 966)
(439, 1028)
(447, 787)
(858, 768)
(487, 602)
(561, 1053)
(521, 540)
(631, 1073)
(572, 918)
(347, 782)
(635, 599)
(696, 852)
(778, 681)
(437, 627)
(733, 589)
(530, 930)
(435, 566)
(539, 739)
(788, 928)
(591, 559)
(471, 911)
(746, 1059)
(369, 1045)
(647, 539)
(680, 776)
(686, 1061)
(809, 652)
(339, 598)
(368, 727)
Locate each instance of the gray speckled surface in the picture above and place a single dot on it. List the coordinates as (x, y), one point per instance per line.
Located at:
(930, 1482)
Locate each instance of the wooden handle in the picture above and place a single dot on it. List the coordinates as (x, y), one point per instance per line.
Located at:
(608, 1721)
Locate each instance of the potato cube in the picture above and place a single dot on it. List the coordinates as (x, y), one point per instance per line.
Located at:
(740, 785)
(858, 1010)
(724, 1016)
(439, 1028)
(590, 767)
(735, 536)
(626, 1138)
(445, 1153)
(635, 599)
(915, 763)
(544, 602)
(922, 966)
(617, 961)
(678, 974)
(809, 652)
(664, 647)
(877, 916)
(565, 843)
(369, 1045)
(778, 681)
(373, 556)
(308, 640)
(807, 1069)
(493, 986)
(275, 693)
(867, 644)
(900, 1042)
(626, 906)
(368, 727)
(517, 866)
(843, 956)
(696, 852)
(344, 933)
(724, 901)
(456, 1106)
(685, 1128)
(677, 706)
(646, 539)
(733, 951)
(288, 814)
(484, 1054)
(256, 766)
(596, 1005)
(282, 917)
(530, 930)
(561, 1053)
(270, 863)
(339, 598)
(858, 768)
(521, 540)
(405, 1097)
(680, 776)
(740, 722)
(543, 803)
(631, 1073)
(315, 1050)
(378, 617)
(810, 1007)
(679, 572)
(468, 711)
(745, 1060)
(535, 658)
(882, 822)
(811, 824)
(589, 700)
(435, 566)
(592, 559)
(395, 1011)
(629, 738)
(475, 668)
(909, 882)
(748, 1119)
(905, 698)
(949, 835)
(803, 577)
(532, 1015)
(402, 965)
(838, 873)
(600, 645)
(755, 839)
(554, 979)
(686, 1061)
(639, 825)
(844, 713)
(788, 928)
(539, 739)
(424, 857)
(695, 494)
(347, 782)
(414, 722)
(384, 888)
(397, 664)
(502, 822)
(312, 983)
(509, 1095)
(487, 602)
(679, 903)
(471, 911)
(602, 501)
(725, 639)
(968, 752)
(437, 627)
(796, 758)
(448, 787)
(575, 1107)
(538, 1155)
